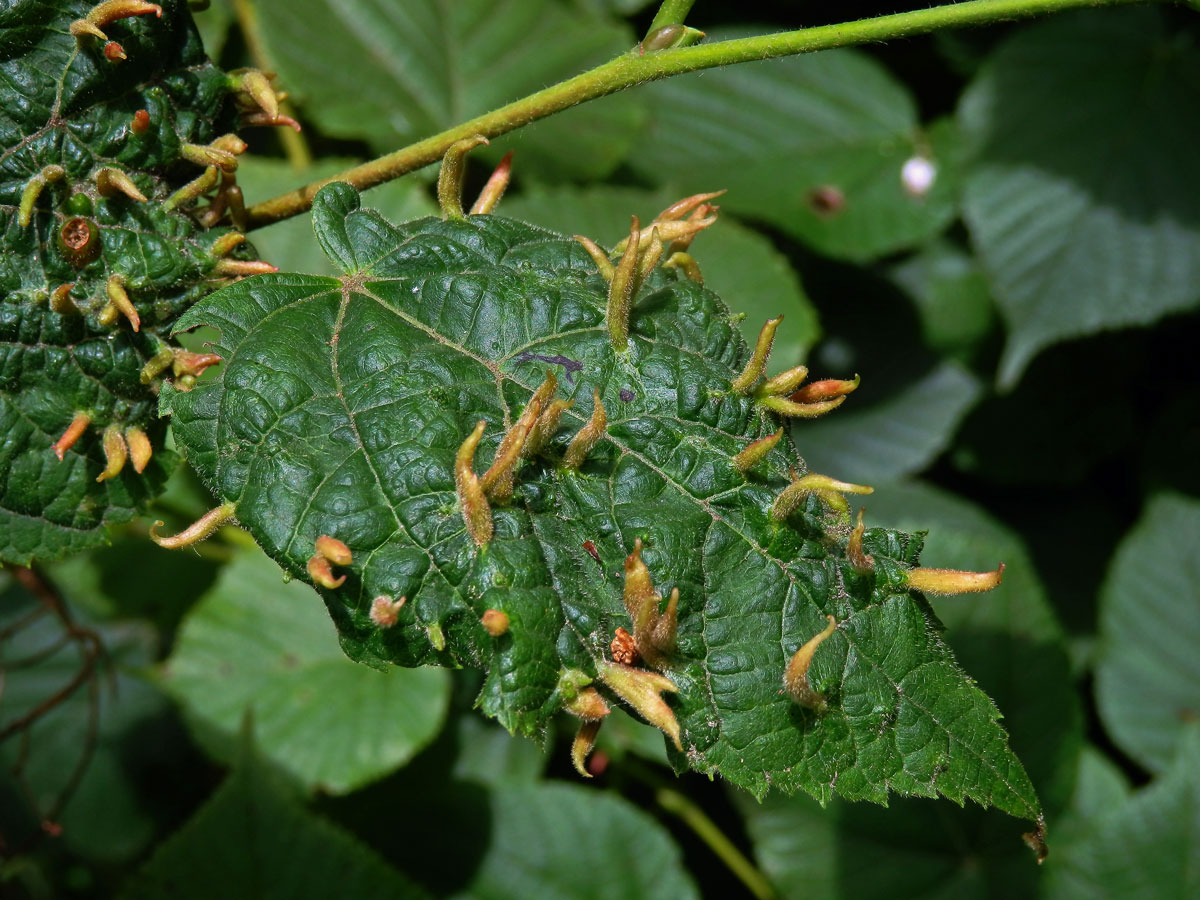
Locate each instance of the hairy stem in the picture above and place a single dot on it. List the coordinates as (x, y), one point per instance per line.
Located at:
(672, 12)
(634, 68)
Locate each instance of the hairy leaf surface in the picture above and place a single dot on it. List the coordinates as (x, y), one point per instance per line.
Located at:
(340, 411)
(66, 105)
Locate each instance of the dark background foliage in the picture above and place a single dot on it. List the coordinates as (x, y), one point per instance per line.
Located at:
(1025, 331)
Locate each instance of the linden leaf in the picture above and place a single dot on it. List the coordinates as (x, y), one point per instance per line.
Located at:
(344, 403)
(71, 121)
(1080, 228)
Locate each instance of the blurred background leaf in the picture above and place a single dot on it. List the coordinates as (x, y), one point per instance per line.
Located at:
(1147, 667)
(394, 73)
(253, 839)
(1081, 195)
(812, 144)
(1145, 847)
(256, 645)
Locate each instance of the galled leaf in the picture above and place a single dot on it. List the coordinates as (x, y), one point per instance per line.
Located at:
(99, 255)
(345, 402)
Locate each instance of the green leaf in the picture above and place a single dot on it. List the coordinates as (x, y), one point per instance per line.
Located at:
(1010, 640)
(255, 643)
(778, 132)
(290, 244)
(951, 294)
(1100, 787)
(1081, 227)
(344, 402)
(489, 755)
(1147, 670)
(252, 839)
(739, 264)
(396, 73)
(554, 841)
(1147, 847)
(65, 105)
(897, 435)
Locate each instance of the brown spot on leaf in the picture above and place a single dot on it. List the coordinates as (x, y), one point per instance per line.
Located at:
(826, 200)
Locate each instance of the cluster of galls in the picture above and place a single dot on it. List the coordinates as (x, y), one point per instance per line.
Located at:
(636, 673)
(113, 298)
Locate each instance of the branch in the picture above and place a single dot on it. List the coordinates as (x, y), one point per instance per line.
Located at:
(633, 68)
(672, 12)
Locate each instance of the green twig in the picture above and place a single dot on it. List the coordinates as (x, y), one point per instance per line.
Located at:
(637, 68)
(696, 819)
(706, 829)
(672, 12)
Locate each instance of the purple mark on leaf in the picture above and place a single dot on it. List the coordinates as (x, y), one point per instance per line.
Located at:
(570, 365)
(626, 394)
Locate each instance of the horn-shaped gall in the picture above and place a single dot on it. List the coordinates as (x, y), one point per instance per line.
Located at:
(795, 676)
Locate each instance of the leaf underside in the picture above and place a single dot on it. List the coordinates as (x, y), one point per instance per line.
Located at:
(344, 400)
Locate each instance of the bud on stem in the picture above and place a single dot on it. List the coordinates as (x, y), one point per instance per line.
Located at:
(450, 178)
(33, 190)
(862, 561)
(496, 185)
(643, 691)
(73, 433)
(828, 489)
(786, 407)
(110, 182)
(756, 452)
(115, 453)
(953, 581)
(140, 448)
(599, 257)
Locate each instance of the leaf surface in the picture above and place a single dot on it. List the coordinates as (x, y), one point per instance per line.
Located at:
(1080, 227)
(256, 644)
(740, 264)
(1146, 847)
(66, 105)
(343, 404)
(1147, 670)
(396, 73)
(253, 839)
(1011, 642)
(782, 134)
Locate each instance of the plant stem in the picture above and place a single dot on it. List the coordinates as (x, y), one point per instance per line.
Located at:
(295, 147)
(634, 68)
(704, 828)
(672, 12)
